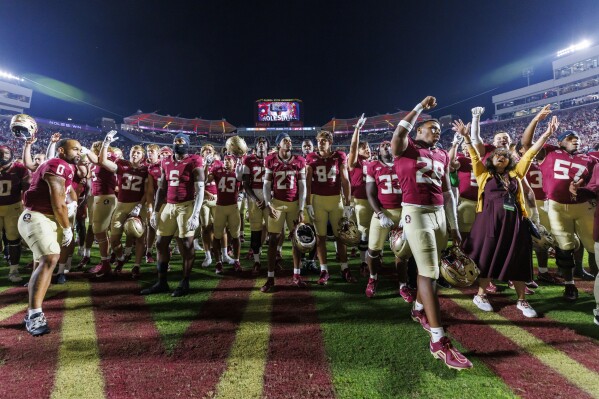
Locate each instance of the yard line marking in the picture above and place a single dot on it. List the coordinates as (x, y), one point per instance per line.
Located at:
(78, 374)
(11, 310)
(573, 371)
(244, 375)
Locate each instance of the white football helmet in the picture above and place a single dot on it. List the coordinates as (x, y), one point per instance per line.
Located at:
(23, 126)
(457, 268)
(236, 146)
(303, 238)
(399, 243)
(546, 241)
(348, 232)
(134, 227)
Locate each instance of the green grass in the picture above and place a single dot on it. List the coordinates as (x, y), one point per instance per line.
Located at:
(374, 349)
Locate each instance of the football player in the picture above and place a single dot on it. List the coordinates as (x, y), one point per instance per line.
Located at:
(327, 176)
(358, 160)
(14, 179)
(428, 202)
(153, 162)
(285, 198)
(45, 226)
(226, 212)
(181, 186)
(210, 193)
(253, 183)
(135, 196)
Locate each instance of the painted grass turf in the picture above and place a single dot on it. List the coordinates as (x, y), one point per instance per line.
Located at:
(374, 349)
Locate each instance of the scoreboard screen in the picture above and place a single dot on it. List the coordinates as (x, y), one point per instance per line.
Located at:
(278, 110)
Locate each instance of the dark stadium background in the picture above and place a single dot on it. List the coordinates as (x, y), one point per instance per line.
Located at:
(213, 59)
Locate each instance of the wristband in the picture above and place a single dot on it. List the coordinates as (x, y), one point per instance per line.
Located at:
(418, 108)
(406, 125)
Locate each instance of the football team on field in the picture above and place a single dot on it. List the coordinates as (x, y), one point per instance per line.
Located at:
(495, 202)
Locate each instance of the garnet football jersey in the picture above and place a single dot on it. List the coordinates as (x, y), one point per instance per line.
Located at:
(559, 168)
(211, 187)
(535, 179)
(387, 184)
(357, 178)
(254, 166)
(37, 198)
(179, 177)
(155, 170)
(326, 177)
(103, 181)
(420, 171)
(227, 185)
(285, 176)
(131, 181)
(10, 183)
(468, 186)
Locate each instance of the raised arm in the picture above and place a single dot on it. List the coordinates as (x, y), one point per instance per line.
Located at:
(27, 158)
(477, 141)
(104, 161)
(399, 141)
(51, 150)
(529, 132)
(453, 163)
(352, 157)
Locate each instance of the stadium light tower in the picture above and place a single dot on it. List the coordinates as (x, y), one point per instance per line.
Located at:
(527, 73)
(574, 47)
(9, 76)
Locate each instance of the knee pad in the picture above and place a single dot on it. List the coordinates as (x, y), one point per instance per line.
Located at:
(564, 258)
(162, 267)
(256, 241)
(363, 245)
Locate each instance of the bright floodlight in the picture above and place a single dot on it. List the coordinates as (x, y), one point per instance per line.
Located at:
(10, 76)
(574, 47)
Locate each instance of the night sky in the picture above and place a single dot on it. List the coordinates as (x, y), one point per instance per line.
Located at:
(213, 59)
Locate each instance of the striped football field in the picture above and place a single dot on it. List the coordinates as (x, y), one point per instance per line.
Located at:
(231, 341)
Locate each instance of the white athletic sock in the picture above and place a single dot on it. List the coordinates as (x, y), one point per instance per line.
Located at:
(279, 248)
(13, 268)
(324, 267)
(543, 270)
(33, 311)
(569, 282)
(61, 268)
(256, 257)
(418, 305)
(437, 333)
(343, 266)
(208, 256)
(128, 251)
(87, 252)
(374, 276)
(271, 274)
(401, 285)
(224, 252)
(296, 271)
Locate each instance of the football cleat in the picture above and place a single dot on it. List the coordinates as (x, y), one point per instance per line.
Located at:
(119, 266)
(407, 294)
(104, 270)
(36, 324)
(420, 317)
(219, 268)
(371, 287)
(324, 277)
(207, 262)
(15, 277)
(298, 282)
(584, 275)
(550, 278)
(83, 262)
(532, 285)
(157, 288)
(452, 358)
(570, 293)
(150, 258)
(228, 259)
(135, 272)
(482, 303)
(346, 275)
(526, 309)
(182, 289)
(61, 278)
(237, 267)
(269, 285)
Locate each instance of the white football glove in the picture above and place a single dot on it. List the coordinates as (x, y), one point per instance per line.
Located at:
(154, 220)
(310, 210)
(135, 211)
(71, 208)
(477, 112)
(348, 211)
(385, 221)
(361, 122)
(67, 236)
(193, 222)
(457, 139)
(110, 137)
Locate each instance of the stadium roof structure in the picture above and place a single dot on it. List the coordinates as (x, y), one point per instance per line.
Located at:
(377, 122)
(158, 122)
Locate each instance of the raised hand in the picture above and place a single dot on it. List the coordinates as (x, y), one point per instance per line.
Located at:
(543, 113)
(428, 103)
(55, 137)
(459, 127)
(360, 124)
(477, 112)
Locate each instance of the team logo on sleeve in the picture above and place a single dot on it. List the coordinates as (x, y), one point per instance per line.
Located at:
(106, 202)
(27, 217)
(408, 218)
